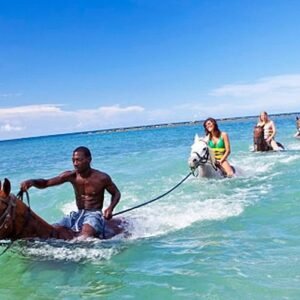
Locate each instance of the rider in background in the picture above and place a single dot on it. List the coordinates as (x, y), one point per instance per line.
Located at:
(219, 142)
(297, 134)
(269, 130)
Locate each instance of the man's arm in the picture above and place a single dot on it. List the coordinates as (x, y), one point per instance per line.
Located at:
(44, 183)
(115, 198)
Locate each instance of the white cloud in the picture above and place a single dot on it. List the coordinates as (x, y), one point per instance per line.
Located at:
(111, 111)
(272, 94)
(9, 128)
(116, 109)
(8, 95)
(29, 109)
(44, 119)
(264, 85)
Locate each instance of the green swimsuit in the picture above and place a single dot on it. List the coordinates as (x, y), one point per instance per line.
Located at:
(218, 148)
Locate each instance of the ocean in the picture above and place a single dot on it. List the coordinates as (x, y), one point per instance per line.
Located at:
(232, 238)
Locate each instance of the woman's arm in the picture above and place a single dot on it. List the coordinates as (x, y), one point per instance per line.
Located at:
(273, 130)
(227, 147)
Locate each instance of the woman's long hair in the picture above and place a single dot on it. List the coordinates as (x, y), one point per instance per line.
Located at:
(266, 114)
(216, 127)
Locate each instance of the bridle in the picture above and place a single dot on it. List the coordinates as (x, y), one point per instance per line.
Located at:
(204, 158)
(9, 213)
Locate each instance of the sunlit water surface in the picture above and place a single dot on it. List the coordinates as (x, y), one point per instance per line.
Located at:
(208, 239)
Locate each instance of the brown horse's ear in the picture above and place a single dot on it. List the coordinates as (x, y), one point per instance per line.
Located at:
(6, 187)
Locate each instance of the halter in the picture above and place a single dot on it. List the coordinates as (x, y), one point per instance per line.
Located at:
(9, 213)
(204, 159)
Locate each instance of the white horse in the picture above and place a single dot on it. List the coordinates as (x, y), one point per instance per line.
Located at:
(202, 160)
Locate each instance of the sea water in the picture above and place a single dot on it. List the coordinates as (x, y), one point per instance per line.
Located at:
(232, 238)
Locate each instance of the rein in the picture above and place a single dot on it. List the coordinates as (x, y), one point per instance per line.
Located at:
(204, 159)
(7, 213)
(155, 199)
(10, 212)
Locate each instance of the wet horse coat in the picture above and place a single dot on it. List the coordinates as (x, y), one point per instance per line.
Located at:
(259, 141)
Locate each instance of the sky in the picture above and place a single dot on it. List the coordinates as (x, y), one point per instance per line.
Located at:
(80, 65)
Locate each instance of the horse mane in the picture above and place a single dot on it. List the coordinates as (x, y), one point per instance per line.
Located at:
(19, 221)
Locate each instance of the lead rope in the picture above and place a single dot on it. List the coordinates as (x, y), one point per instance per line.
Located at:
(155, 199)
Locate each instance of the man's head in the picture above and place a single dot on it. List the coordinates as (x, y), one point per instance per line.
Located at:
(82, 159)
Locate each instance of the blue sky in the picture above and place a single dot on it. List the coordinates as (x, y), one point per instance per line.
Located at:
(68, 66)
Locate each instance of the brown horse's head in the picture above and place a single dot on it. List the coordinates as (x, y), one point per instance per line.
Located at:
(5, 190)
(17, 220)
(259, 141)
(7, 208)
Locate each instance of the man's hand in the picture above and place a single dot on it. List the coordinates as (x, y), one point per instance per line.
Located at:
(107, 213)
(25, 185)
(217, 163)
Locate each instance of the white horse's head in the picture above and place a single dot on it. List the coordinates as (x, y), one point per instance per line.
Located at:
(200, 152)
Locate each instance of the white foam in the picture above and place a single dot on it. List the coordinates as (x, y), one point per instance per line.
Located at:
(289, 159)
(294, 145)
(94, 251)
(167, 217)
(68, 207)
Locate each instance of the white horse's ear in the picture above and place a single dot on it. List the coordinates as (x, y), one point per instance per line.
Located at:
(205, 138)
(196, 139)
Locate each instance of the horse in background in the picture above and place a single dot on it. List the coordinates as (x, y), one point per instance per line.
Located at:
(259, 142)
(18, 221)
(297, 134)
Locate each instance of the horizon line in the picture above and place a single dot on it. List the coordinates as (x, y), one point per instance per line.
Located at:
(138, 127)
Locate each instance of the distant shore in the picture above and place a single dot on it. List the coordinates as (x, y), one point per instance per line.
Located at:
(153, 126)
(176, 124)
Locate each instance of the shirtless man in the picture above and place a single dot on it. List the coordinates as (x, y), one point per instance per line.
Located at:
(89, 186)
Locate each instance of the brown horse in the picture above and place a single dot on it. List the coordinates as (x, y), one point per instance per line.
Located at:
(259, 141)
(18, 221)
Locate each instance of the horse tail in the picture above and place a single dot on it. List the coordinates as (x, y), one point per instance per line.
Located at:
(280, 145)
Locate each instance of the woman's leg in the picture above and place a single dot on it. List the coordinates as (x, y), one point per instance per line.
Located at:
(274, 145)
(227, 168)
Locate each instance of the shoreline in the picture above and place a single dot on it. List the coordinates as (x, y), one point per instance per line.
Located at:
(153, 126)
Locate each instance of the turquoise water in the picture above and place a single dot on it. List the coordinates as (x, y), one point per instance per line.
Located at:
(208, 239)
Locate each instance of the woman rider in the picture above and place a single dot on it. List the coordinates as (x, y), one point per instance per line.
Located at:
(269, 130)
(218, 141)
(297, 134)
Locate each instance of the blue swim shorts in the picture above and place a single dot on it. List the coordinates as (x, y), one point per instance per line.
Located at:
(76, 219)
